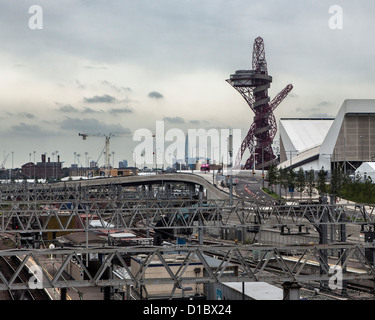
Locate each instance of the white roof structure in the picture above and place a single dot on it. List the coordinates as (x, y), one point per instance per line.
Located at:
(315, 143)
(366, 169)
(100, 224)
(304, 134)
(122, 235)
(258, 290)
(302, 137)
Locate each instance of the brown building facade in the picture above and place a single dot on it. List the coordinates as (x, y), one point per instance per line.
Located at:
(42, 170)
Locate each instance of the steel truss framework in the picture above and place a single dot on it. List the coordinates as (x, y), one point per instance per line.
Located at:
(33, 208)
(72, 209)
(249, 270)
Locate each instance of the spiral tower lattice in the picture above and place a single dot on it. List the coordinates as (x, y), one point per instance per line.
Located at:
(253, 85)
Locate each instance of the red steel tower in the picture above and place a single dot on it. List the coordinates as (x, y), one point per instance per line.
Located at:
(253, 85)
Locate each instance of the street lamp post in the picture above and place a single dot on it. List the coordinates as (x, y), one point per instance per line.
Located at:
(362, 137)
(11, 171)
(34, 164)
(56, 164)
(53, 164)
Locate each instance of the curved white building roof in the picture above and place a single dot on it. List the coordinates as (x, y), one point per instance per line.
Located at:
(301, 134)
(311, 142)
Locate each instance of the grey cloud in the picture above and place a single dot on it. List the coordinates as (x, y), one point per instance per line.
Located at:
(91, 126)
(155, 95)
(101, 99)
(80, 85)
(29, 130)
(174, 119)
(117, 88)
(194, 121)
(26, 115)
(306, 110)
(95, 67)
(313, 109)
(113, 111)
(197, 122)
(67, 108)
(90, 110)
(313, 113)
(324, 103)
(120, 110)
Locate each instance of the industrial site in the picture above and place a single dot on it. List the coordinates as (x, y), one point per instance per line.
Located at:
(166, 159)
(275, 226)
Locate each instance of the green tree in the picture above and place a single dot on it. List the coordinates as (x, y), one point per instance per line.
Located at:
(367, 190)
(352, 188)
(310, 182)
(357, 189)
(301, 181)
(272, 177)
(337, 179)
(283, 178)
(321, 185)
(291, 178)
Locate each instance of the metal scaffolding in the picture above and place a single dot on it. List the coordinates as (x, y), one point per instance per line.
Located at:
(35, 209)
(73, 209)
(288, 270)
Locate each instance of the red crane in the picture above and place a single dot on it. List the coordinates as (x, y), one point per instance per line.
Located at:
(253, 85)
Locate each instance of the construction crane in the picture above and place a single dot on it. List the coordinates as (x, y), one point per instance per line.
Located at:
(2, 166)
(107, 138)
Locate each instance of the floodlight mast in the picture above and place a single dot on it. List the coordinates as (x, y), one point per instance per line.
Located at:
(253, 85)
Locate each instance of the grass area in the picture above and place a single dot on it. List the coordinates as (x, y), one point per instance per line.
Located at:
(358, 198)
(272, 194)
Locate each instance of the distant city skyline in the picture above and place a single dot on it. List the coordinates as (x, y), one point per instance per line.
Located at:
(82, 66)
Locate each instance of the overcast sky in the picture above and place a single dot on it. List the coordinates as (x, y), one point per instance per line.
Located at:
(117, 66)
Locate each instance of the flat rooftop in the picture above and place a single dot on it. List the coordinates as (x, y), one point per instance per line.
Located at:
(258, 290)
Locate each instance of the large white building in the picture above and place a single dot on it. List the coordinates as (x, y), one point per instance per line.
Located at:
(347, 140)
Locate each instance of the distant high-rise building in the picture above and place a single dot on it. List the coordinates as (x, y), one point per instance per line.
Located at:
(93, 164)
(123, 164)
(190, 152)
